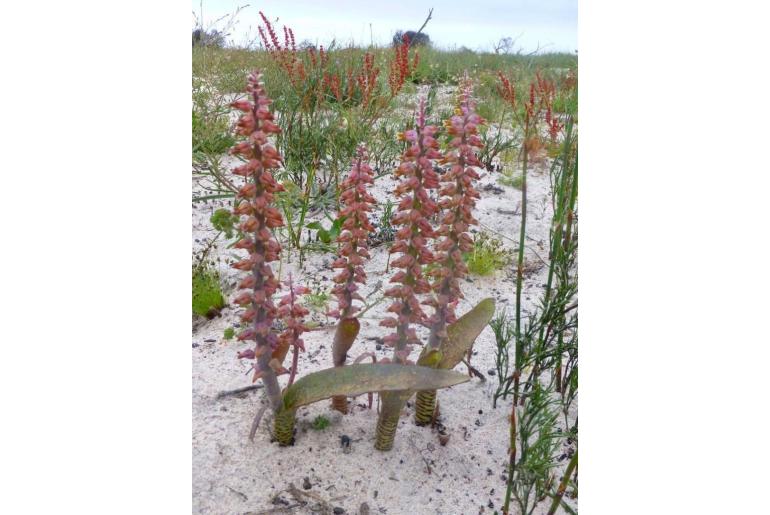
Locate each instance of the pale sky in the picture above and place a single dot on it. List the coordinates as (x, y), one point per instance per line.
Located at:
(475, 24)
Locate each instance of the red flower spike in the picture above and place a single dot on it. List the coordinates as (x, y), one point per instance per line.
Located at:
(257, 216)
(293, 316)
(356, 203)
(458, 199)
(400, 68)
(413, 212)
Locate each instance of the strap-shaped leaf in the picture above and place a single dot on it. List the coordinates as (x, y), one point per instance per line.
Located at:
(363, 378)
(464, 332)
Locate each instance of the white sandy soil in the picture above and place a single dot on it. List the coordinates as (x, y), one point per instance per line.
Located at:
(419, 476)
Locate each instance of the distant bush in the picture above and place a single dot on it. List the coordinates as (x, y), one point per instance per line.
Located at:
(415, 39)
(212, 38)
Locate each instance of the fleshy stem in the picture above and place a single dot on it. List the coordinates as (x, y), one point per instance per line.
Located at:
(457, 203)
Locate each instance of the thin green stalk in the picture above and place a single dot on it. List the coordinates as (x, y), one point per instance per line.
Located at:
(511, 462)
(558, 218)
(563, 485)
(520, 273)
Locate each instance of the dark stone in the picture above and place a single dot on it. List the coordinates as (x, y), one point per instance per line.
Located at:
(306, 483)
(338, 511)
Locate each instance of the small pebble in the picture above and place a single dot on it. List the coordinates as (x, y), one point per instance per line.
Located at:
(195, 345)
(491, 372)
(306, 483)
(338, 511)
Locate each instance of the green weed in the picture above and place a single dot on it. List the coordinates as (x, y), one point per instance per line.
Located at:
(487, 256)
(207, 297)
(320, 423)
(510, 178)
(317, 299)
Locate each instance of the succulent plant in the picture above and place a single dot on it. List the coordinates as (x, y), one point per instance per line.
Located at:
(257, 218)
(356, 204)
(456, 203)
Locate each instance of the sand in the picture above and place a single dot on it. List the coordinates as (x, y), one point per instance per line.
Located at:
(419, 476)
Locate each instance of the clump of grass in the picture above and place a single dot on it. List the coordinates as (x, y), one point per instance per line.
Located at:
(207, 297)
(229, 333)
(487, 256)
(320, 423)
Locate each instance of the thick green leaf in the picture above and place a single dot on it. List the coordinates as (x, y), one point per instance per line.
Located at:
(364, 378)
(464, 332)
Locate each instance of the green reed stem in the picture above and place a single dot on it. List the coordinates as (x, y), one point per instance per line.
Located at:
(563, 485)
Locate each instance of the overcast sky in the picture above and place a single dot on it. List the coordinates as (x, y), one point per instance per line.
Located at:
(475, 24)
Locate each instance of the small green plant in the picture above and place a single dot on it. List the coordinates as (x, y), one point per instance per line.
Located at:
(320, 423)
(487, 256)
(318, 298)
(327, 236)
(223, 220)
(385, 232)
(207, 298)
(510, 178)
(534, 445)
(229, 333)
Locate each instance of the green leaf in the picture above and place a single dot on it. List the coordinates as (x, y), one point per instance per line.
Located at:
(464, 332)
(363, 378)
(315, 225)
